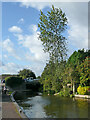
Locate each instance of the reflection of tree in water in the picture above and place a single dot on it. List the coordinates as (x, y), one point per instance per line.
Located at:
(66, 108)
(22, 98)
(19, 96)
(24, 105)
(83, 106)
(57, 107)
(24, 95)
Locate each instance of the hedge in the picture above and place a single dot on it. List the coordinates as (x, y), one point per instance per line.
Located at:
(13, 81)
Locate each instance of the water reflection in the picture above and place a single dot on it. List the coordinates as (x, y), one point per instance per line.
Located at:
(66, 108)
(36, 111)
(55, 107)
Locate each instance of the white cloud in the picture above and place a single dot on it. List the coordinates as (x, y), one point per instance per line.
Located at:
(77, 14)
(37, 68)
(45, 1)
(15, 29)
(8, 46)
(21, 21)
(38, 4)
(5, 56)
(11, 68)
(78, 36)
(35, 55)
(20, 37)
(33, 28)
(34, 45)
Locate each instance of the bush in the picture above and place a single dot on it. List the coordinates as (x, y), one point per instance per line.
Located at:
(65, 92)
(71, 95)
(13, 81)
(83, 90)
(61, 93)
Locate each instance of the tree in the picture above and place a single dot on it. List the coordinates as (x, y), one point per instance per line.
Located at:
(71, 72)
(25, 73)
(52, 26)
(77, 58)
(47, 77)
(71, 76)
(83, 69)
(52, 76)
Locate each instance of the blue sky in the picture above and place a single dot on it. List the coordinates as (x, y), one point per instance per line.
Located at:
(20, 45)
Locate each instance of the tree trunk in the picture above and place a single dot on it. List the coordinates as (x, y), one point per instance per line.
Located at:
(73, 87)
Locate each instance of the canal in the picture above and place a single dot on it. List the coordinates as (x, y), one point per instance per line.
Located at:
(43, 106)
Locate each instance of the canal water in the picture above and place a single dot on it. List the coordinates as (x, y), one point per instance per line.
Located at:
(44, 106)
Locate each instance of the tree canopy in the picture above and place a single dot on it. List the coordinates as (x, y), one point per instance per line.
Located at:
(77, 57)
(52, 26)
(83, 70)
(25, 73)
(74, 71)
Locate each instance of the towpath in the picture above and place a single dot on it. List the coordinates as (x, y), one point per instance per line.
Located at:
(10, 110)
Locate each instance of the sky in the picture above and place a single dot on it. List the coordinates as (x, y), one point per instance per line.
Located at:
(20, 47)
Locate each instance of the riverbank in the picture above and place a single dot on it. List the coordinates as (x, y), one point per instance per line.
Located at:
(78, 96)
(83, 96)
(10, 109)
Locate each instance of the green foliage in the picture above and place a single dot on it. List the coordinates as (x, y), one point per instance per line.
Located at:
(34, 86)
(25, 73)
(52, 76)
(73, 68)
(52, 26)
(38, 77)
(83, 69)
(61, 93)
(65, 92)
(71, 95)
(59, 72)
(83, 90)
(77, 58)
(55, 75)
(13, 81)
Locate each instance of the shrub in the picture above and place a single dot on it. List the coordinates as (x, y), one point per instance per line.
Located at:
(71, 95)
(13, 81)
(61, 93)
(83, 90)
(65, 92)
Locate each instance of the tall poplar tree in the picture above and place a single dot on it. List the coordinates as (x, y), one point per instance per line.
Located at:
(52, 26)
